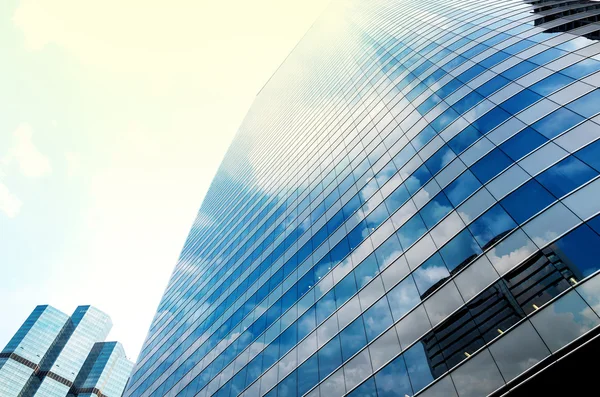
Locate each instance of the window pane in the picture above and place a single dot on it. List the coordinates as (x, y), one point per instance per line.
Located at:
(523, 143)
(330, 357)
(492, 226)
(557, 122)
(367, 389)
(564, 320)
(460, 251)
(377, 318)
(518, 351)
(477, 377)
(403, 297)
(526, 201)
(353, 338)
(435, 210)
(461, 188)
(417, 364)
(566, 176)
(430, 274)
(392, 380)
(490, 165)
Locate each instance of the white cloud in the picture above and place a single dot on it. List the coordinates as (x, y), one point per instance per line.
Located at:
(9, 203)
(31, 161)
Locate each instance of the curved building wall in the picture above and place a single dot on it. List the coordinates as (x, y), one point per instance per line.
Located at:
(408, 208)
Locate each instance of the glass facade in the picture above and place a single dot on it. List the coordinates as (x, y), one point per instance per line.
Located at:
(410, 207)
(54, 355)
(105, 372)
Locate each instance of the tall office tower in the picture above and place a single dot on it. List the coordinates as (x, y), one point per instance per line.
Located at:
(104, 373)
(409, 208)
(51, 351)
(21, 358)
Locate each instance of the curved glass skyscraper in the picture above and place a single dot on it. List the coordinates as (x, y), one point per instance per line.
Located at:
(409, 208)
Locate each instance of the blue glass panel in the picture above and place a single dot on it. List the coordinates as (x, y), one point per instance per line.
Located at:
(547, 56)
(423, 137)
(330, 357)
(520, 101)
(551, 84)
(493, 85)
(461, 188)
(345, 289)
(440, 159)
(588, 105)
(367, 389)
(308, 374)
(581, 69)
(366, 270)
(491, 120)
(444, 119)
(353, 338)
(519, 70)
(557, 122)
(288, 387)
(526, 201)
(411, 231)
(590, 154)
(403, 297)
(417, 179)
(580, 250)
(566, 176)
(393, 381)
(377, 318)
(491, 165)
(325, 306)
(492, 226)
(435, 210)
(397, 199)
(467, 102)
(430, 274)
(464, 139)
(523, 143)
(417, 365)
(495, 59)
(460, 251)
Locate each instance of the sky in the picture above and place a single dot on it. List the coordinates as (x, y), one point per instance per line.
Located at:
(115, 115)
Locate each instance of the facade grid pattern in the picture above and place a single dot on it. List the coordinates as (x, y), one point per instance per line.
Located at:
(408, 208)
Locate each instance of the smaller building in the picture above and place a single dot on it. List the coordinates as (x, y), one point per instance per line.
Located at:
(54, 355)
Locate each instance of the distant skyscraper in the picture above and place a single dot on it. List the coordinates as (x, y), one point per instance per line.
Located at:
(410, 207)
(54, 355)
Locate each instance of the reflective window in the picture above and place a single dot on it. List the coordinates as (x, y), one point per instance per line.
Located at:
(591, 155)
(564, 320)
(523, 143)
(403, 297)
(460, 251)
(353, 338)
(526, 201)
(491, 165)
(430, 274)
(566, 176)
(461, 188)
(435, 210)
(392, 380)
(417, 364)
(492, 226)
(587, 105)
(557, 122)
(464, 139)
(330, 357)
(377, 318)
(518, 350)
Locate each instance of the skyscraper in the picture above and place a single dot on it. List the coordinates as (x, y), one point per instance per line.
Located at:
(409, 208)
(54, 355)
